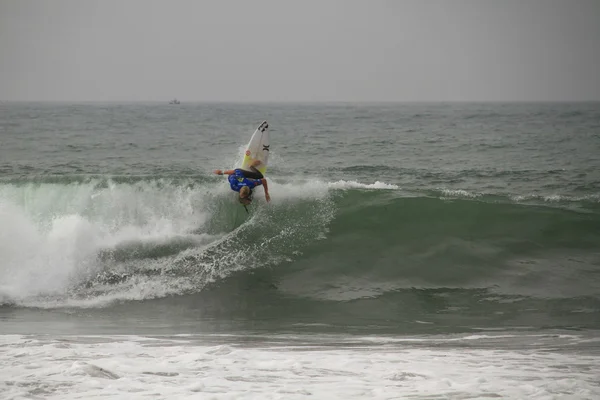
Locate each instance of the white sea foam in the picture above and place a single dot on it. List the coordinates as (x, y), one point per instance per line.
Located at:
(314, 189)
(460, 193)
(134, 367)
(51, 235)
(342, 184)
(557, 198)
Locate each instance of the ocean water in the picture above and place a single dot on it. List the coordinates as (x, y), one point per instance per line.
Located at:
(445, 250)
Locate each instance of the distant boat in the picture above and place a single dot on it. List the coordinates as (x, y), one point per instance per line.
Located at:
(174, 101)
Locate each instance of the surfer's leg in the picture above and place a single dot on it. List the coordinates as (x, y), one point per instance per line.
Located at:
(253, 174)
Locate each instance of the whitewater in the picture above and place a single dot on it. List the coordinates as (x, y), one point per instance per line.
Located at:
(287, 367)
(57, 237)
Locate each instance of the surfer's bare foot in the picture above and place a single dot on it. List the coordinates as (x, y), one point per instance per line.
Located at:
(255, 163)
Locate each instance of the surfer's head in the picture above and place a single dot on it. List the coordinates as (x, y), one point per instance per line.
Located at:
(245, 195)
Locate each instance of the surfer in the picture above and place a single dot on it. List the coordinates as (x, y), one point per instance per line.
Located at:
(244, 181)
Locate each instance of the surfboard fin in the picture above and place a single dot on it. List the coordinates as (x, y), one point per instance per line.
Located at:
(246, 208)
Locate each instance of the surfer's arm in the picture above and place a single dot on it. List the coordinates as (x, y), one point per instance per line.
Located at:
(266, 187)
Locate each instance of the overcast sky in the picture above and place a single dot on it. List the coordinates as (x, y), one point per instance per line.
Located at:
(301, 50)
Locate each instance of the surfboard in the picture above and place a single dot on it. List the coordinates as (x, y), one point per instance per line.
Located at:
(258, 148)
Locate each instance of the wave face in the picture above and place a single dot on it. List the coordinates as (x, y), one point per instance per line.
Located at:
(89, 242)
(338, 252)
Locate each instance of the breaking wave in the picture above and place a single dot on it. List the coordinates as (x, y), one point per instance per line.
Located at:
(93, 242)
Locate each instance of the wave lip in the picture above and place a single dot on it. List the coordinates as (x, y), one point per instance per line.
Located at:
(558, 198)
(342, 184)
(460, 193)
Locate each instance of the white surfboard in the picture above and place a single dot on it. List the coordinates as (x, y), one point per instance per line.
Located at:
(258, 148)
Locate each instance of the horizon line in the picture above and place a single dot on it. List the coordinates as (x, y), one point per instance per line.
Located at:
(297, 101)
